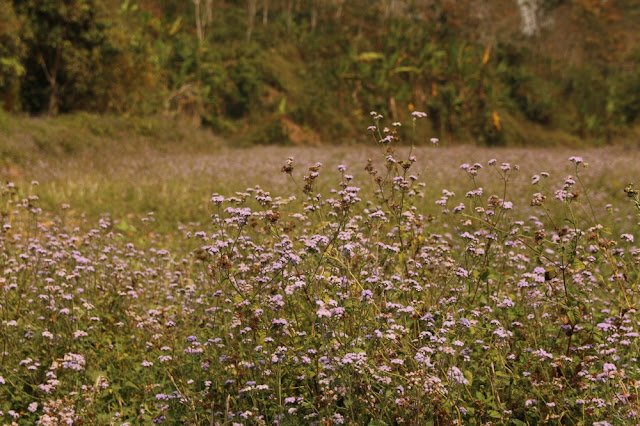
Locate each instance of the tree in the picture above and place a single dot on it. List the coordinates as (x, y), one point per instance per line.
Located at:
(252, 8)
(204, 16)
(64, 43)
(12, 54)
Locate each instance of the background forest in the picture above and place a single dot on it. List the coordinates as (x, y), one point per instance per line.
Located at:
(500, 72)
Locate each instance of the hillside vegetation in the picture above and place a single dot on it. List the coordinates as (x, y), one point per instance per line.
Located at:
(307, 71)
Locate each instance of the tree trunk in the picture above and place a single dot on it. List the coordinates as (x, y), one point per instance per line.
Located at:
(251, 14)
(339, 9)
(314, 14)
(289, 14)
(198, 22)
(50, 72)
(53, 100)
(265, 12)
(529, 14)
(208, 13)
(393, 9)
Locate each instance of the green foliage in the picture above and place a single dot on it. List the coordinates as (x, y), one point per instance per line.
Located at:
(332, 61)
(531, 93)
(127, 78)
(246, 79)
(12, 54)
(65, 38)
(626, 91)
(272, 132)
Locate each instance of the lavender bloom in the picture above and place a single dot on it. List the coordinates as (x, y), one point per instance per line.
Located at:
(73, 361)
(455, 375)
(576, 160)
(542, 354)
(627, 237)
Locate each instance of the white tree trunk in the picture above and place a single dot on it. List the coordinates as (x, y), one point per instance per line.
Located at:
(208, 13)
(199, 29)
(529, 14)
(265, 12)
(251, 14)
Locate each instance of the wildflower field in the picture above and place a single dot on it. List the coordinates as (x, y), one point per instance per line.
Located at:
(395, 283)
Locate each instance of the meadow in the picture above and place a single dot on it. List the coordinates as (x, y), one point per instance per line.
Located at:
(391, 282)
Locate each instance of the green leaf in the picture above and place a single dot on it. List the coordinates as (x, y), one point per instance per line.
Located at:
(406, 69)
(494, 414)
(370, 56)
(176, 26)
(469, 376)
(573, 316)
(12, 65)
(282, 106)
